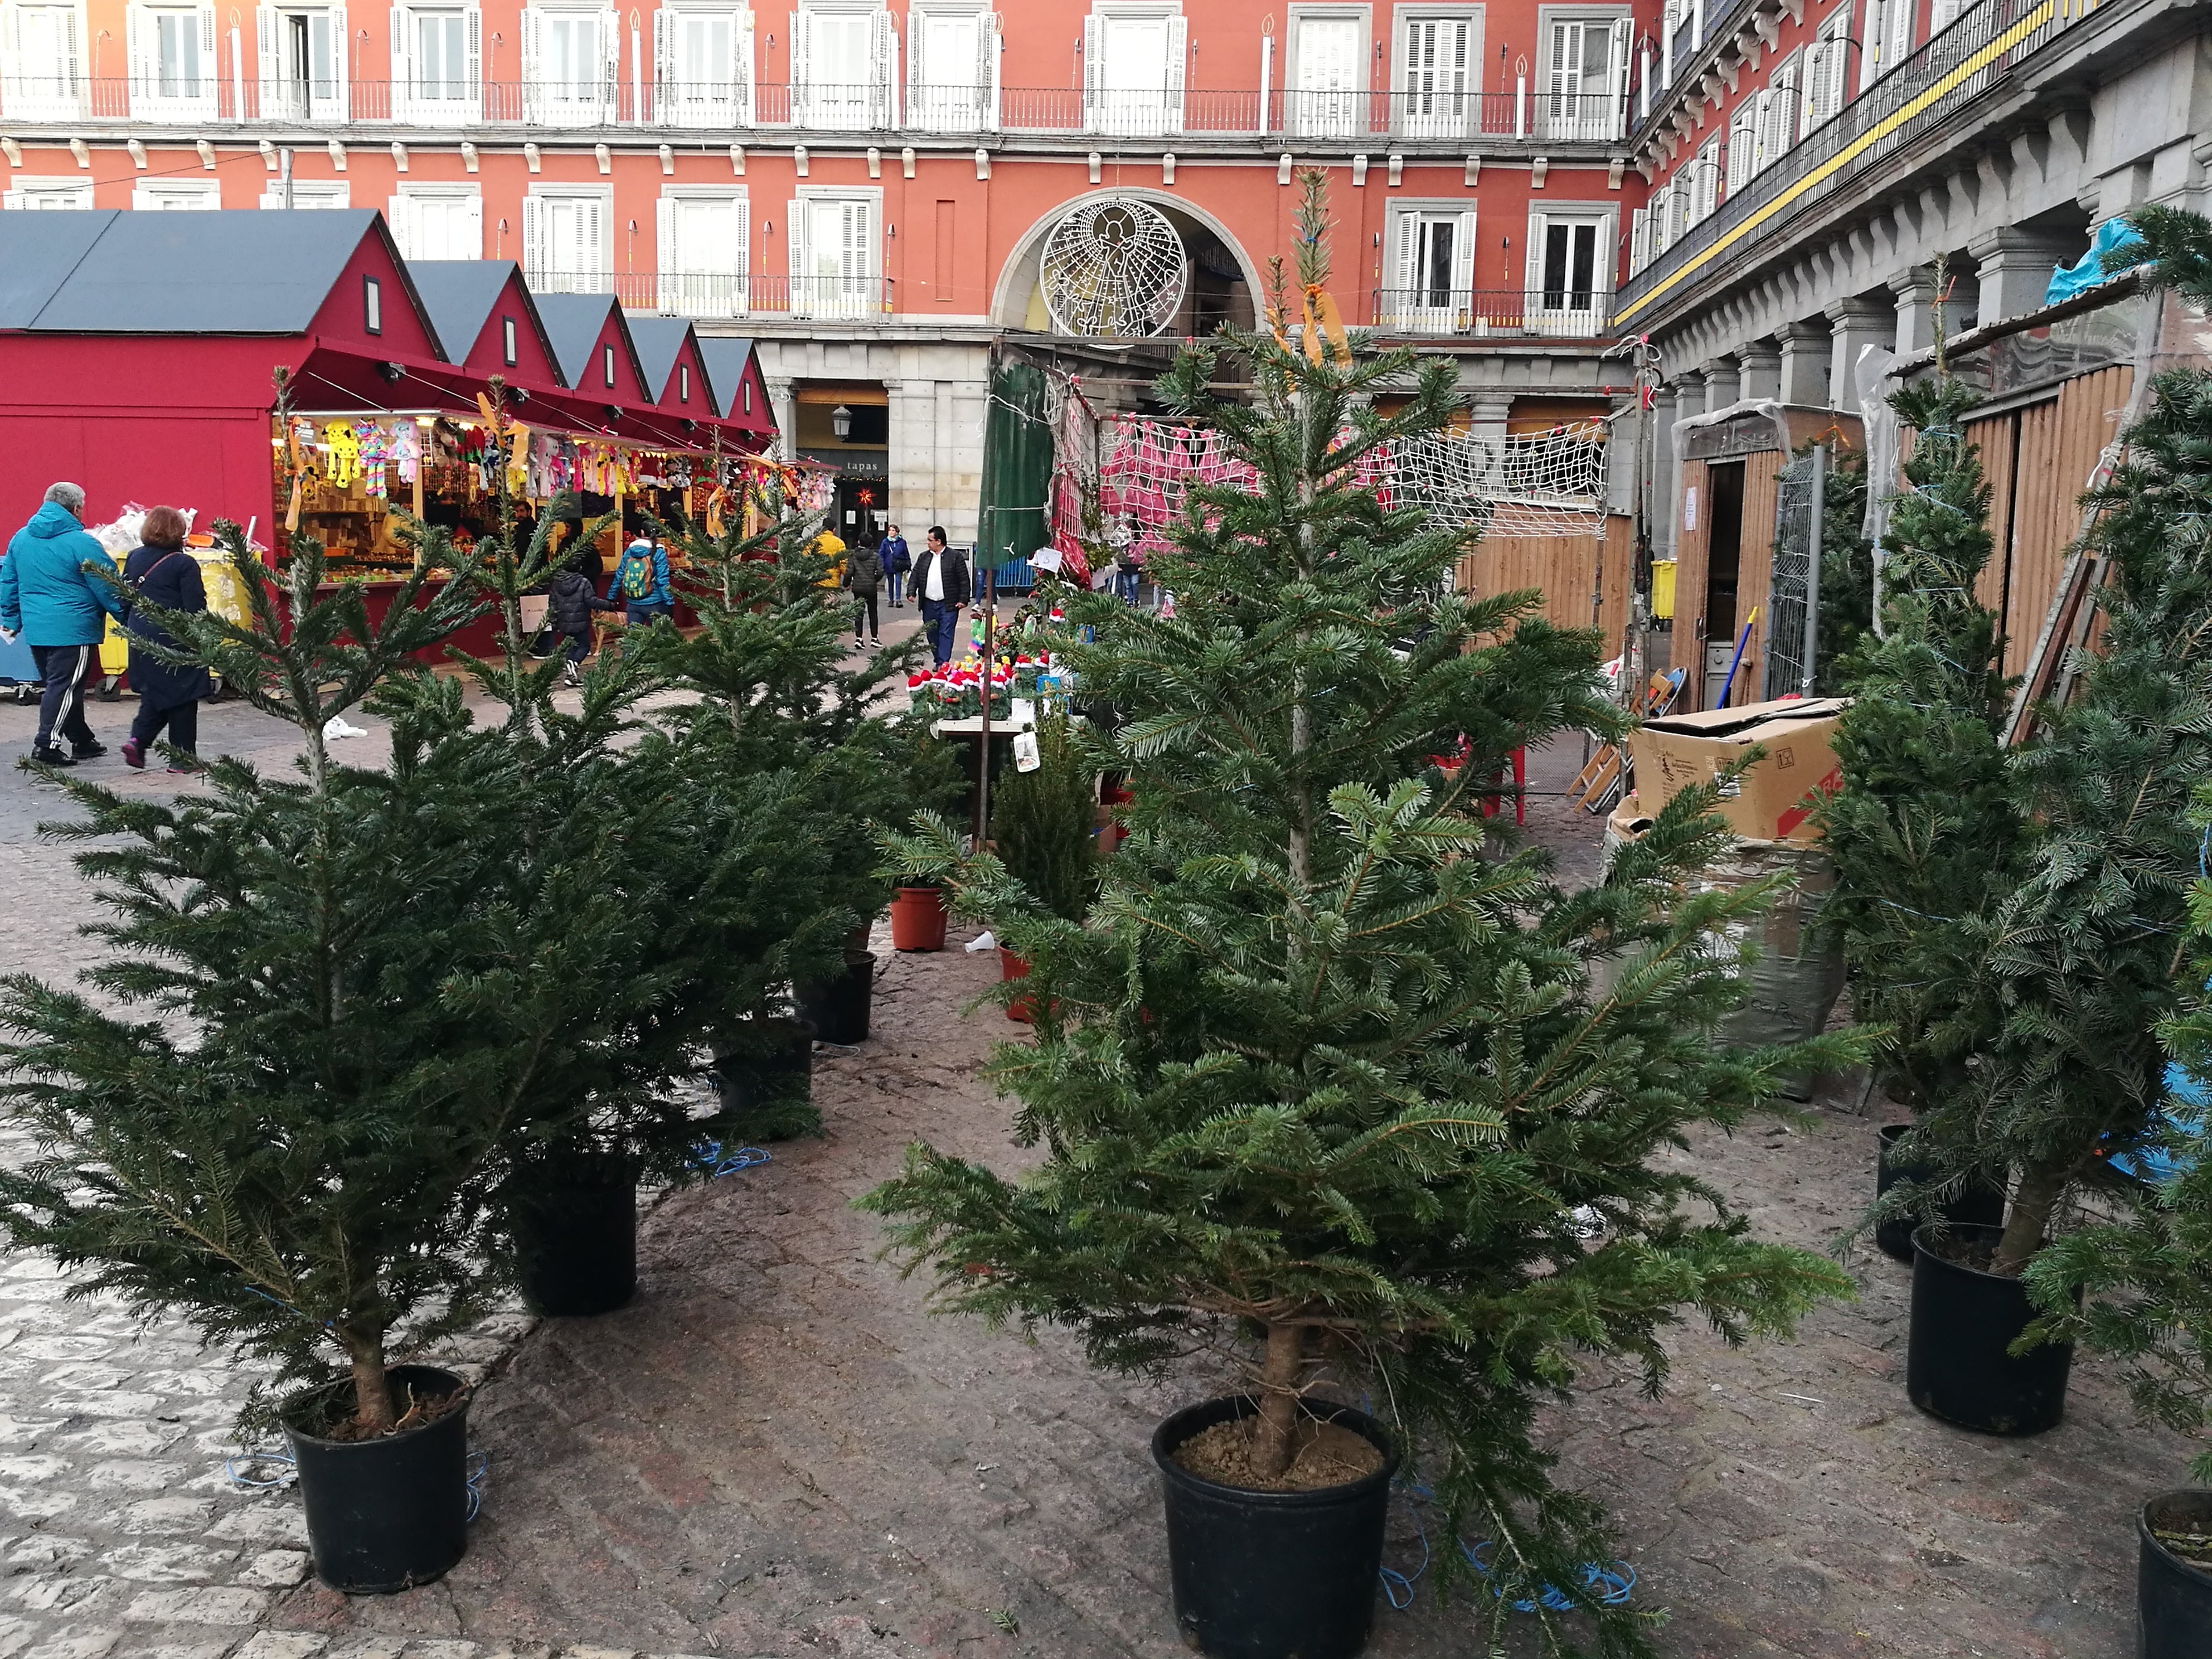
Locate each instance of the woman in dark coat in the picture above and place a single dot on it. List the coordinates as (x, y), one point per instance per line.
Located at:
(163, 573)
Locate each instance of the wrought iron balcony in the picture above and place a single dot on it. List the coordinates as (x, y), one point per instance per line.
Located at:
(1975, 55)
(716, 293)
(1492, 314)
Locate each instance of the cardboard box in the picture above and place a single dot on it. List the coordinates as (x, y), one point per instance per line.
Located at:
(1772, 801)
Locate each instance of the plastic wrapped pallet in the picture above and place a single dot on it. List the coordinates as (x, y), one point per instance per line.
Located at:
(1798, 976)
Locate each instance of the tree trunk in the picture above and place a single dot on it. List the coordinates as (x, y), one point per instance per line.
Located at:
(1275, 1441)
(372, 1388)
(2028, 1220)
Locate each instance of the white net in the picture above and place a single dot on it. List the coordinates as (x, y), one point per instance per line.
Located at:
(1521, 483)
(1114, 269)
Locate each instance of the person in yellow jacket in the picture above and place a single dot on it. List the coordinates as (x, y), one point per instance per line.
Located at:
(830, 546)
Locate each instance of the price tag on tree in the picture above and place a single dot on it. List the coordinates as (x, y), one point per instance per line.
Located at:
(1026, 759)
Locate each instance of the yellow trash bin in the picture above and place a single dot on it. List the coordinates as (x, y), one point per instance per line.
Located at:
(1663, 589)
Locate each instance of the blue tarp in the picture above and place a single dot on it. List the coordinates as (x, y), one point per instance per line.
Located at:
(2184, 1112)
(2086, 272)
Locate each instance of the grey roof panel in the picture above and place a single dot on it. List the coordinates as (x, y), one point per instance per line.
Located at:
(658, 340)
(242, 271)
(38, 252)
(458, 294)
(572, 322)
(724, 357)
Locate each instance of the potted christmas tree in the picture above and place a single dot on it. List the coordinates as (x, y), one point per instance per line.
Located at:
(1321, 1076)
(1043, 825)
(1925, 833)
(285, 1120)
(2083, 950)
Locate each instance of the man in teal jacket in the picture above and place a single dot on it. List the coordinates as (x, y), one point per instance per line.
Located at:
(46, 593)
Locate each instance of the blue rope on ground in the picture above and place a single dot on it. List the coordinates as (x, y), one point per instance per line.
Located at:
(716, 1162)
(250, 1483)
(478, 1462)
(1611, 1585)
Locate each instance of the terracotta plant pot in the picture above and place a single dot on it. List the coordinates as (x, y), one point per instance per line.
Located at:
(1011, 966)
(918, 918)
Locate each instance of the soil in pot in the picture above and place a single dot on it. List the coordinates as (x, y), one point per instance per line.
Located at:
(386, 1512)
(1964, 1319)
(1274, 1574)
(1979, 1206)
(767, 1089)
(575, 1240)
(2173, 1576)
(918, 916)
(839, 1007)
(1328, 1455)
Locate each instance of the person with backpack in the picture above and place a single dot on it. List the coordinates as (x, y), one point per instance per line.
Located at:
(640, 584)
(48, 592)
(897, 562)
(863, 575)
(160, 572)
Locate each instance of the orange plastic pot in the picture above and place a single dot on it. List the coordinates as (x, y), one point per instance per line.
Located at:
(1012, 967)
(918, 918)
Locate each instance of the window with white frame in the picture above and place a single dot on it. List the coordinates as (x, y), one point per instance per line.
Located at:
(1774, 113)
(703, 65)
(308, 193)
(703, 234)
(1439, 74)
(173, 61)
(1941, 14)
(1432, 289)
(437, 222)
(1639, 239)
(176, 196)
(437, 63)
(571, 63)
(1828, 62)
(952, 66)
(565, 240)
(1887, 40)
(1326, 75)
(1133, 58)
(302, 70)
(1743, 146)
(1585, 78)
(1704, 182)
(834, 259)
(1568, 274)
(844, 67)
(48, 195)
(41, 62)
(1670, 20)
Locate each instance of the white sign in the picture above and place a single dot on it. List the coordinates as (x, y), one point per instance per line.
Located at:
(1689, 508)
(1043, 560)
(1026, 759)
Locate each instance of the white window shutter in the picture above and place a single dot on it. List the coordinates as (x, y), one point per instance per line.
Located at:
(741, 239)
(802, 56)
(882, 70)
(1617, 109)
(141, 70)
(73, 59)
(1094, 70)
(474, 91)
(341, 66)
(1178, 61)
(473, 219)
(664, 234)
(664, 65)
(611, 50)
(987, 67)
(534, 238)
(917, 59)
(596, 259)
(1533, 262)
(741, 68)
(1870, 48)
(205, 86)
(533, 25)
(1900, 34)
(1462, 272)
(265, 70)
(1408, 227)
(401, 79)
(1566, 66)
(399, 215)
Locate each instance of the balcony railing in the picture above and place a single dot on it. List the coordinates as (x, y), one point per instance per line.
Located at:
(1432, 116)
(1492, 314)
(703, 294)
(1971, 57)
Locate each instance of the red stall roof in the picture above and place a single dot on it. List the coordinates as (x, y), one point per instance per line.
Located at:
(477, 304)
(740, 388)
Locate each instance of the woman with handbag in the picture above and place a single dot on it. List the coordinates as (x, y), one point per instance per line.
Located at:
(161, 572)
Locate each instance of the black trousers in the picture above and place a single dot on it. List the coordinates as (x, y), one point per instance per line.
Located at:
(65, 668)
(182, 720)
(867, 599)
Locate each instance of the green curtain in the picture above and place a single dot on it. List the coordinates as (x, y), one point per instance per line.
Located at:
(1017, 468)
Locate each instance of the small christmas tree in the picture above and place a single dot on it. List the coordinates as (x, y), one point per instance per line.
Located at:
(1846, 568)
(1044, 823)
(1925, 833)
(1322, 1076)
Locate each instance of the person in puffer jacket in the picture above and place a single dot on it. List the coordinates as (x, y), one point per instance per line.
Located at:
(47, 594)
(570, 599)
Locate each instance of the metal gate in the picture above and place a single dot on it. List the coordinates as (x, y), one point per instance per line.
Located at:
(1793, 632)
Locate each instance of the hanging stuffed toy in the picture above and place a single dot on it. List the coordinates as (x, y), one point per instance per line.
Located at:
(405, 451)
(343, 449)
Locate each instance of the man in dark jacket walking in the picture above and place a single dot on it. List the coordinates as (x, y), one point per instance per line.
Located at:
(897, 561)
(863, 575)
(940, 583)
(47, 594)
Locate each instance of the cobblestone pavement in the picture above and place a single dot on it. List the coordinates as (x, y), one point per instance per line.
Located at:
(775, 1453)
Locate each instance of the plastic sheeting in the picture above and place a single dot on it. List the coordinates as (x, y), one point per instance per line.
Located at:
(2113, 236)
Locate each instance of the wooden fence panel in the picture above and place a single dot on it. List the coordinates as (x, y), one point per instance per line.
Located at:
(1995, 438)
(2059, 442)
(1564, 569)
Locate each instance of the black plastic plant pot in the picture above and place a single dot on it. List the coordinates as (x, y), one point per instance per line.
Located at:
(2173, 1599)
(1273, 1575)
(1977, 1206)
(575, 1241)
(784, 1071)
(839, 1007)
(1956, 1366)
(388, 1514)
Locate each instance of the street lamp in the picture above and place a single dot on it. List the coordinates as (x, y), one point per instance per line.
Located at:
(840, 422)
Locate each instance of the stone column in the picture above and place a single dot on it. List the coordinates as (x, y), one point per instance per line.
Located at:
(1857, 324)
(783, 398)
(1762, 370)
(1806, 350)
(2013, 268)
(910, 486)
(1916, 309)
(1488, 408)
(1723, 384)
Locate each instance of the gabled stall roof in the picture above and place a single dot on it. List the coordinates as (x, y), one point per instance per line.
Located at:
(578, 325)
(37, 256)
(666, 347)
(464, 296)
(242, 271)
(729, 363)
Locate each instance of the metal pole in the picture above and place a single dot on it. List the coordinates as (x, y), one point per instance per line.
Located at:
(284, 177)
(1813, 570)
